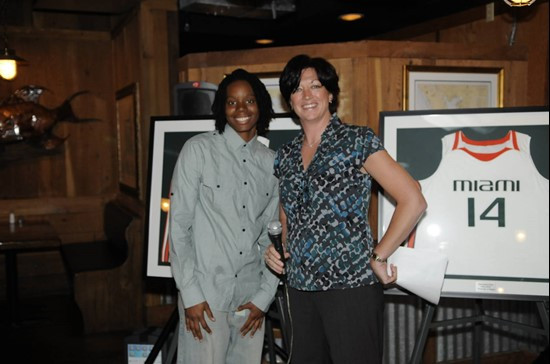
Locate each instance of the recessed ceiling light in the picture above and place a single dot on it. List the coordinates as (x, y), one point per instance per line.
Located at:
(351, 16)
(264, 41)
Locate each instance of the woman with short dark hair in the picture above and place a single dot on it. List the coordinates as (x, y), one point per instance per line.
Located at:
(334, 270)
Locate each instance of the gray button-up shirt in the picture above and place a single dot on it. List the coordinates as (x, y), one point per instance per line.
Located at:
(223, 195)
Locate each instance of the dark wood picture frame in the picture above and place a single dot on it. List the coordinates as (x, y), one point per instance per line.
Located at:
(128, 139)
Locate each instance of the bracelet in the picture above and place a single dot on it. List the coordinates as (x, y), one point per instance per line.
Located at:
(377, 258)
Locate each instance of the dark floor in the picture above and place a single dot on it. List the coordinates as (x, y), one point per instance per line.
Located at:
(46, 334)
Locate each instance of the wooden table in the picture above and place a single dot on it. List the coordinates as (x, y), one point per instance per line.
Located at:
(20, 238)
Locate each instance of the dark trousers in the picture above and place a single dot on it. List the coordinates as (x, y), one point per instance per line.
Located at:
(338, 326)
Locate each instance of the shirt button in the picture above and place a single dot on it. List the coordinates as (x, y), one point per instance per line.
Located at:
(245, 183)
(244, 207)
(235, 276)
(241, 253)
(244, 160)
(244, 229)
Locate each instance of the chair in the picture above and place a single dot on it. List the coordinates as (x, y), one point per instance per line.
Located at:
(102, 275)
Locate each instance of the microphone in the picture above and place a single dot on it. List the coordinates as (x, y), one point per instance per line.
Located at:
(275, 232)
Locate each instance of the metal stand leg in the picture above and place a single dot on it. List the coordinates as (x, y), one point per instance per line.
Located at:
(12, 289)
(270, 341)
(284, 319)
(477, 321)
(542, 307)
(278, 313)
(172, 348)
(171, 326)
(477, 342)
(416, 357)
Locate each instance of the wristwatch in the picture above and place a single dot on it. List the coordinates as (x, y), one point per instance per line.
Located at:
(377, 258)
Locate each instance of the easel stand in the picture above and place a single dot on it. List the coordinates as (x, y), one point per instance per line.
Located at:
(171, 327)
(477, 320)
(278, 312)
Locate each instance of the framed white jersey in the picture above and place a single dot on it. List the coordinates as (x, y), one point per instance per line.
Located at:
(484, 174)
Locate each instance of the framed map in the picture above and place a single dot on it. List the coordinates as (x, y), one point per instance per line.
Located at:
(434, 87)
(271, 82)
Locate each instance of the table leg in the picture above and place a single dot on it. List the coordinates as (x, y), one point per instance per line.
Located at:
(12, 293)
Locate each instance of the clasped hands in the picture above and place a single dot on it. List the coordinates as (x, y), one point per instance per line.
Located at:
(195, 319)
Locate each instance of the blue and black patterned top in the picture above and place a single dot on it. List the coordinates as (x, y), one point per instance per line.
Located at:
(329, 236)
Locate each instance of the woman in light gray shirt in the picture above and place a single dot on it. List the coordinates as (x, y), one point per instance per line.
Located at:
(223, 195)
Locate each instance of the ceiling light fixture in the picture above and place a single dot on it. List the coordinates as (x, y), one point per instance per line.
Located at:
(8, 63)
(519, 3)
(264, 41)
(8, 58)
(351, 16)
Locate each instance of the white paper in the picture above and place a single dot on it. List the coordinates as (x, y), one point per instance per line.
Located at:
(420, 271)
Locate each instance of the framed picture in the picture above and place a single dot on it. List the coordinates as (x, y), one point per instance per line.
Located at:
(484, 174)
(271, 82)
(128, 133)
(434, 87)
(168, 134)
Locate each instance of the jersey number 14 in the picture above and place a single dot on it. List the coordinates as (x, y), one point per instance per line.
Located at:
(495, 211)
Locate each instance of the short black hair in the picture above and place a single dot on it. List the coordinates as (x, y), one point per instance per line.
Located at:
(290, 78)
(263, 99)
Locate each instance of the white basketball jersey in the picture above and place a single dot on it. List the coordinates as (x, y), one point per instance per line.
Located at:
(487, 209)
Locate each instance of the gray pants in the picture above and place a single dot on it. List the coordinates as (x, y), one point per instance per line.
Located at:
(225, 345)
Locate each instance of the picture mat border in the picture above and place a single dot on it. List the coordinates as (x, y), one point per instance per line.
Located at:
(452, 74)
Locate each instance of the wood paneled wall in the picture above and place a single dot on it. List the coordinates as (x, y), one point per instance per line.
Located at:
(145, 53)
(71, 187)
(371, 72)
(65, 62)
(510, 27)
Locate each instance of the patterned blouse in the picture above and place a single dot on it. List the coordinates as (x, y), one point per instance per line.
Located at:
(329, 237)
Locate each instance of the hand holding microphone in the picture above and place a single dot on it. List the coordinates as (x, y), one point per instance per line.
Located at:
(275, 232)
